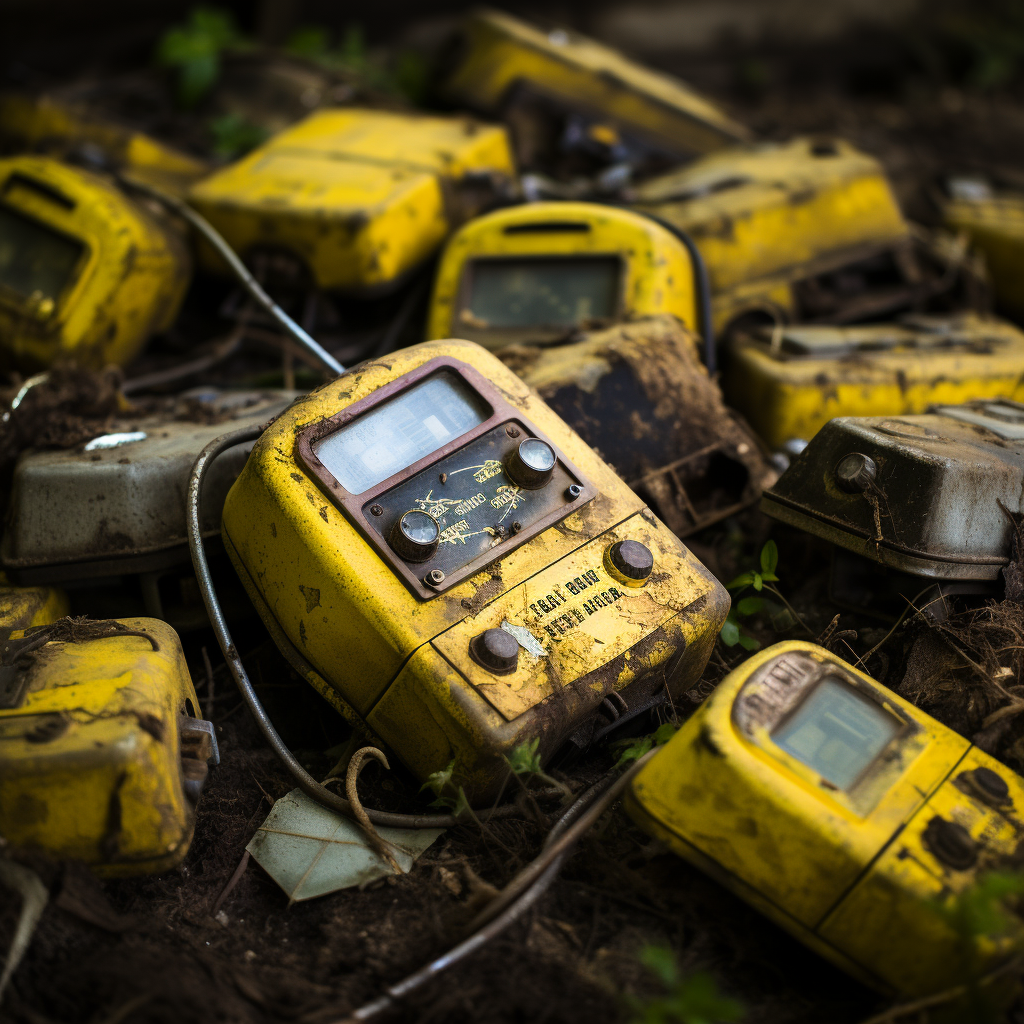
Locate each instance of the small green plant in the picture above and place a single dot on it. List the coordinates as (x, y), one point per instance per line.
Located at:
(763, 579)
(194, 50)
(525, 760)
(234, 136)
(690, 999)
(633, 750)
(446, 793)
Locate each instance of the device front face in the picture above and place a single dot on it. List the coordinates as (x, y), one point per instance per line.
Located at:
(443, 558)
(84, 272)
(921, 494)
(789, 384)
(94, 719)
(537, 272)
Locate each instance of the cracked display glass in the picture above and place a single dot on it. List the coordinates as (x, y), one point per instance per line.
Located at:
(401, 431)
(837, 731)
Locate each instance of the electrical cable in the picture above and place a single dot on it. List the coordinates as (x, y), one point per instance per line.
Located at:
(306, 782)
(241, 271)
(523, 892)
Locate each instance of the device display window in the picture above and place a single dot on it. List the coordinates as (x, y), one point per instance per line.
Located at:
(837, 732)
(401, 431)
(542, 292)
(35, 260)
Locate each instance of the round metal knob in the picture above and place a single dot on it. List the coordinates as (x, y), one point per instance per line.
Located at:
(988, 785)
(950, 843)
(632, 560)
(414, 537)
(531, 464)
(496, 650)
(856, 473)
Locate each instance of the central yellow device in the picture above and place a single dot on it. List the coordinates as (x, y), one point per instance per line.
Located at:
(359, 198)
(456, 571)
(844, 813)
(768, 217)
(86, 274)
(537, 271)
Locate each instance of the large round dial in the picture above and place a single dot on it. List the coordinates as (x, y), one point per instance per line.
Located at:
(531, 464)
(414, 537)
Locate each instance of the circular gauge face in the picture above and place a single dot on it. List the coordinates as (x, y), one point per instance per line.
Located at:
(415, 535)
(532, 463)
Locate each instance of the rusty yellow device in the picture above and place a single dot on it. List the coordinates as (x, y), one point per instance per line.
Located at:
(25, 607)
(86, 274)
(102, 756)
(790, 381)
(769, 216)
(844, 813)
(357, 198)
(538, 271)
(994, 222)
(503, 61)
(53, 126)
(457, 572)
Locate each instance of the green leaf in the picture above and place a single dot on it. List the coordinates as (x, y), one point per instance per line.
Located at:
(461, 804)
(664, 733)
(525, 759)
(750, 606)
(233, 136)
(635, 750)
(748, 643)
(730, 632)
(438, 782)
(758, 581)
(743, 580)
(769, 577)
(769, 557)
(661, 962)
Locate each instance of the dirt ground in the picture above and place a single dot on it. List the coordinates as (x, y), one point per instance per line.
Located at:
(151, 950)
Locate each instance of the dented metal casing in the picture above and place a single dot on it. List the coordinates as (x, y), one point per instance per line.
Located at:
(86, 274)
(63, 128)
(102, 758)
(790, 381)
(359, 198)
(502, 60)
(639, 395)
(619, 265)
(116, 505)
(925, 495)
(767, 216)
(865, 870)
(391, 649)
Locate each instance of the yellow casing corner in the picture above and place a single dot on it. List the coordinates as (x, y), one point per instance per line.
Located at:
(871, 370)
(127, 283)
(503, 54)
(767, 215)
(399, 666)
(855, 883)
(25, 607)
(360, 197)
(657, 272)
(90, 760)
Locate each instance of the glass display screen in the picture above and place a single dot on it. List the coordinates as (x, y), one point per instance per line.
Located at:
(33, 257)
(542, 292)
(401, 431)
(837, 731)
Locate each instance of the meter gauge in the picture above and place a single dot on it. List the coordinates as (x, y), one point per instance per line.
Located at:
(442, 476)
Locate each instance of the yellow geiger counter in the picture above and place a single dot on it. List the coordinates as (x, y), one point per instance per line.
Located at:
(456, 571)
(844, 813)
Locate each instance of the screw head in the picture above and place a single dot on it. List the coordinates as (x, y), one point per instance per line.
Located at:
(376, 510)
(496, 650)
(573, 491)
(856, 473)
(512, 431)
(516, 527)
(434, 578)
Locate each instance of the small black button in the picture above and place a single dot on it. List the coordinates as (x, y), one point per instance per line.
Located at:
(414, 537)
(631, 558)
(496, 650)
(987, 785)
(856, 473)
(950, 843)
(531, 464)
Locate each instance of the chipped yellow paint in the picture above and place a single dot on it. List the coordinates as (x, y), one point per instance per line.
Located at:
(359, 197)
(657, 274)
(502, 55)
(846, 873)
(366, 644)
(61, 129)
(765, 216)
(90, 763)
(817, 373)
(995, 226)
(127, 283)
(24, 607)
